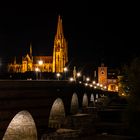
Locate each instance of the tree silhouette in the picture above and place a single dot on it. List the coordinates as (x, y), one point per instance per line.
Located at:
(134, 98)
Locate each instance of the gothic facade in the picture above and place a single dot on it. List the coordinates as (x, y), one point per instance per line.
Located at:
(54, 63)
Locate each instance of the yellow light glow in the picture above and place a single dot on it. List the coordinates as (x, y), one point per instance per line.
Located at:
(37, 69)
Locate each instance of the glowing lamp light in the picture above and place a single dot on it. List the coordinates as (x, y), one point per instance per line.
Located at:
(58, 75)
(71, 79)
(91, 85)
(101, 85)
(37, 69)
(86, 84)
(65, 69)
(40, 62)
(95, 87)
(87, 79)
(78, 74)
(98, 84)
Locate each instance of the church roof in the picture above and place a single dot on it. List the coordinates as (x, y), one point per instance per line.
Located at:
(45, 59)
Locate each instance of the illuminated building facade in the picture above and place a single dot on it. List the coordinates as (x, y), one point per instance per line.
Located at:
(108, 78)
(102, 75)
(55, 63)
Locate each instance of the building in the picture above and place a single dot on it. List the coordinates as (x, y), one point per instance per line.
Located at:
(54, 63)
(108, 77)
(102, 75)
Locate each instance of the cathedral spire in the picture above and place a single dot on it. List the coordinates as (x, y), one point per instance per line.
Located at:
(59, 27)
(30, 50)
(60, 55)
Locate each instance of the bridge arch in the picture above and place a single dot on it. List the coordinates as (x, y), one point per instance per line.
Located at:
(92, 100)
(92, 97)
(21, 127)
(85, 101)
(57, 114)
(74, 104)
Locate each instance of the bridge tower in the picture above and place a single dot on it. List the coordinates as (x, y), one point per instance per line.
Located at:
(102, 75)
(60, 51)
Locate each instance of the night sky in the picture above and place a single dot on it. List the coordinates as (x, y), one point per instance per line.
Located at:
(103, 32)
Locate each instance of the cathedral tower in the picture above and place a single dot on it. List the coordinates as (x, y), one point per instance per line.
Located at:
(60, 56)
(53, 63)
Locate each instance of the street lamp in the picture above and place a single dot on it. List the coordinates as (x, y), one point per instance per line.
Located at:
(78, 75)
(71, 79)
(65, 71)
(58, 75)
(37, 70)
(87, 79)
(40, 62)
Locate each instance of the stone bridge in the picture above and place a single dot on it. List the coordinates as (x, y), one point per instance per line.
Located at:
(29, 108)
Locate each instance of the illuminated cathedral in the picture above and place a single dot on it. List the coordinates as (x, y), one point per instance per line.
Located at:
(54, 63)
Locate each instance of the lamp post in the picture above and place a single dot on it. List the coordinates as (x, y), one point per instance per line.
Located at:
(40, 62)
(78, 75)
(71, 79)
(65, 71)
(37, 70)
(87, 79)
(58, 76)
